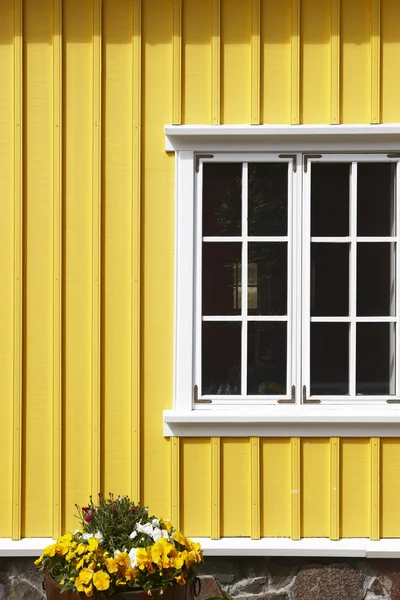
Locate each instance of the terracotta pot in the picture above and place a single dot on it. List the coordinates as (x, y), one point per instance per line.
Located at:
(175, 592)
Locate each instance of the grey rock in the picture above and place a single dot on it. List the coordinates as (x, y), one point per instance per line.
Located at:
(377, 588)
(333, 582)
(250, 585)
(281, 575)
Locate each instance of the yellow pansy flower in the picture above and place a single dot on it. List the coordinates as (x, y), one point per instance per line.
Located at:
(101, 580)
(85, 576)
(180, 579)
(179, 538)
(89, 590)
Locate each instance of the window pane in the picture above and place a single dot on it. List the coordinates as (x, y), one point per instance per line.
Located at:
(222, 280)
(222, 198)
(221, 354)
(267, 358)
(329, 358)
(376, 290)
(375, 358)
(329, 280)
(330, 188)
(268, 198)
(375, 199)
(267, 278)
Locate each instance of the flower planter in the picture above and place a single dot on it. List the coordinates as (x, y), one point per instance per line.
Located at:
(175, 592)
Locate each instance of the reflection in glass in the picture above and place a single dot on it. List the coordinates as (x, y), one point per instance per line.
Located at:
(222, 199)
(330, 189)
(221, 356)
(329, 359)
(221, 278)
(375, 370)
(375, 199)
(267, 358)
(267, 276)
(268, 198)
(329, 280)
(376, 289)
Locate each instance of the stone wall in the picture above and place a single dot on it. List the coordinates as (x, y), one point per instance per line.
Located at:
(253, 579)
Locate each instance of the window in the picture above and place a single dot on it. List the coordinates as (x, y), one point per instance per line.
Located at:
(287, 271)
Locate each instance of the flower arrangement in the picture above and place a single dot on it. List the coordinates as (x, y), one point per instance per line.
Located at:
(118, 547)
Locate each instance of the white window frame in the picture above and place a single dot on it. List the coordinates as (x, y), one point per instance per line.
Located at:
(258, 420)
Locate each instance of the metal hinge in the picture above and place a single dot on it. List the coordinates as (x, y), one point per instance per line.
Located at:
(196, 397)
(393, 401)
(198, 157)
(309, 400)
(308, 156)
(393, 155)
(291, 400)
(294, 159)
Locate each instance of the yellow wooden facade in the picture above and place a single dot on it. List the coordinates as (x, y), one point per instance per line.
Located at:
(87, 255)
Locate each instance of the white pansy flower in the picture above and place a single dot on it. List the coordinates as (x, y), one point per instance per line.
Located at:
(164, 533)
(157, 534)
(147, 528)
(133, 534)
(132, 557)
(86, 536)
(98, 536)
(155, 523)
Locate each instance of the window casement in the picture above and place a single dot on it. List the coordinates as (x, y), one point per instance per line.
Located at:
(286, 292)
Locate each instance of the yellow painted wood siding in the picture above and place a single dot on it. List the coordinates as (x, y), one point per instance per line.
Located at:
(87, 254)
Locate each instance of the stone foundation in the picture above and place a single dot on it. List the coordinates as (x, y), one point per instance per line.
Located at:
(254, 578)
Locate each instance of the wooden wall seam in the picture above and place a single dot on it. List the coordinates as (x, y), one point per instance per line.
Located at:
(175, 481)
(255, 488)
(57, 265)
(335, 62)
(96, 248)
(295, 63)
(375, 41)
(295, 487)
(136, 250)
(177, 63)
(255, 63)
(375, 488)
(17, 275)
(334, 488)
(216, 63)
(215, 488)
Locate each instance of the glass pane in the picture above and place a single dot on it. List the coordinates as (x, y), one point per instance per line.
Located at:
(329, 359)
(329, 280)
(221, 353)
(375, 358)
(375, 199)
(222, 280)
(267, 358)
(222, 199)
(267, 278)
(376, 290)
(330, 189)
(268, 198)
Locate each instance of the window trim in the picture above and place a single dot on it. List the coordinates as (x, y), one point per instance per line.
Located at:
(267, 420)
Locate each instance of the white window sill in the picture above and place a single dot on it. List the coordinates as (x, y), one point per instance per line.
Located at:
(313, 547)
(25, 547)
(277, 421)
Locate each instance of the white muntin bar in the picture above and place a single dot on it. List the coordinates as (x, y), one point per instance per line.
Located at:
(198, 281)
(353, 279)
(396, 223)
(245, 172)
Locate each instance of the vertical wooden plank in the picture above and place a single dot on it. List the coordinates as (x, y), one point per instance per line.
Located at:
(255, 63)
(295, 64)
(335, 62)
(355, 487)
(18, 202)
(255, 489)
(295, 487)
(375, 60)
(390, 480)
(57, 263)
(335, 488)
(315, 497)
(216, 63)
(175, 481)
(195, 473)
(136, 193)
(390, 59)
(276, 494)
(375, 487)
(215, 488)
(177, 63)
(96, 247)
